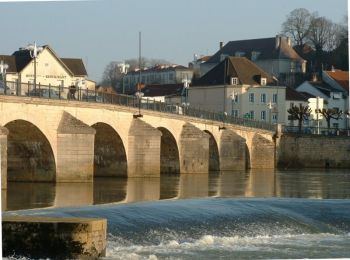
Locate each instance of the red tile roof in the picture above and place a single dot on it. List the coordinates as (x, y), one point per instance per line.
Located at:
(341, 77)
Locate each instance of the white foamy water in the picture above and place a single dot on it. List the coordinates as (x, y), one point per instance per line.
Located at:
(210, 247)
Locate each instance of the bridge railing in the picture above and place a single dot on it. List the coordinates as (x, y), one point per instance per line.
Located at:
(86, 95)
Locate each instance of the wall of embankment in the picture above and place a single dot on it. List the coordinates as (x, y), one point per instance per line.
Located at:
(301, 151)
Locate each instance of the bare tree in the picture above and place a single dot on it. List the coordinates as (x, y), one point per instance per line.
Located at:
(330, 113)
(112, 75)
(299, 113)
(322, 33)
(297, 26)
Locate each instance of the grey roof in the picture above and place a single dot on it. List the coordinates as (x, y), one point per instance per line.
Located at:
(265, 46)
(246, 71)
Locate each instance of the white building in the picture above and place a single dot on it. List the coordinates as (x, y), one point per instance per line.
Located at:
(160, 74)
(334, 98)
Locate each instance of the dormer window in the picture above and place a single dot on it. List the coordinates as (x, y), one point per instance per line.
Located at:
(263, 81)
(234, 81)
(223, 56)
(239, 53)
(255, 55)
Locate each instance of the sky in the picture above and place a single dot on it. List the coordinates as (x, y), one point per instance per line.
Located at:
(102, 31)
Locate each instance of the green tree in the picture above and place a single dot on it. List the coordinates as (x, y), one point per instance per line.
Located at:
(330, 113)
(299, 113)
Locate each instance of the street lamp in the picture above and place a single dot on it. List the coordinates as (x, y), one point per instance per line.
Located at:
(234, 99)
(139, 96)
(3, 68)
(123, 68)
(186, 83)
(270, 106)
(34, 51)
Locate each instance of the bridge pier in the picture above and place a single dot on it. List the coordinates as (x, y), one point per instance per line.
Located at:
(3, 156)
(232, 151)
(143, 150)
(75, 150)
(262, 153)
(194, 150)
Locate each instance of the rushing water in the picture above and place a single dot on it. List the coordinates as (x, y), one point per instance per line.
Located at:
(257, 214)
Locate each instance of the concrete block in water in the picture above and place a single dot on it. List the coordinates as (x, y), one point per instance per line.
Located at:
(49, 237)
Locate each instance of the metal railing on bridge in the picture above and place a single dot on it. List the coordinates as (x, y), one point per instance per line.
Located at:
(86, 95)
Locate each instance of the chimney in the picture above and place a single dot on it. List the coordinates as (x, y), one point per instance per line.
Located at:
(278, 41)
(221, 45)
(289, 42)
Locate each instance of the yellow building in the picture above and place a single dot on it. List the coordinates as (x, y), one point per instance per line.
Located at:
(50, 70)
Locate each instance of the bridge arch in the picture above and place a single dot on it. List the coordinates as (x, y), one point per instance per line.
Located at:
(169, 153)
(214, 158)
(30, 156)
(109, 152)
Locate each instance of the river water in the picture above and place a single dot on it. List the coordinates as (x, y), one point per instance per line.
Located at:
(231, 215)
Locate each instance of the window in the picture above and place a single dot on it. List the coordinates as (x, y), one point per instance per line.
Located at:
(234, 81)
(171, 76)
(274, 118)
(335, 125)
(235, 113)
(263, 82)
(239, 53)
(251, 114)
(255, 55)
(336, 95)
(263, 115)
(274, 98)
(263, 98)
(251, 97)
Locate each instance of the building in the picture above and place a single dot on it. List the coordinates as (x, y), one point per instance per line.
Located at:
(160, 74)
(50, 70)
(336, 98)
(195, 65)
(240, 88)
(274, 55)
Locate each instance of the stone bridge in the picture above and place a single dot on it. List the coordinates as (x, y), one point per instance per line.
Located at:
(72, 141)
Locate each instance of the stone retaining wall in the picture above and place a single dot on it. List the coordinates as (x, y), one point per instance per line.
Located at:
(298, 151)
(57, 238)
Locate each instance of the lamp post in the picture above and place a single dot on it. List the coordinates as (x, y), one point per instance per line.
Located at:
(233, 99)
(270, 106)
(3, 69)
(139, 96)
(34, 50)
(186, 83)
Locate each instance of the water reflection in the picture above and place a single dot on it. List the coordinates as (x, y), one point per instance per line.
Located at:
(258, 183)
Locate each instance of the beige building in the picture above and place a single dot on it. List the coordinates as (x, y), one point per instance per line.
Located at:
(241, 89)
(50, 70)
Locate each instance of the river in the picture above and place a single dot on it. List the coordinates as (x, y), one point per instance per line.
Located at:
(228, 215)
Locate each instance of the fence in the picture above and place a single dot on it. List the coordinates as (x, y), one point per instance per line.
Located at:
(85, 95)
(316, 131)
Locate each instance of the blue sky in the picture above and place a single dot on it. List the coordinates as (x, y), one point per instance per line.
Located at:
(107, 30)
